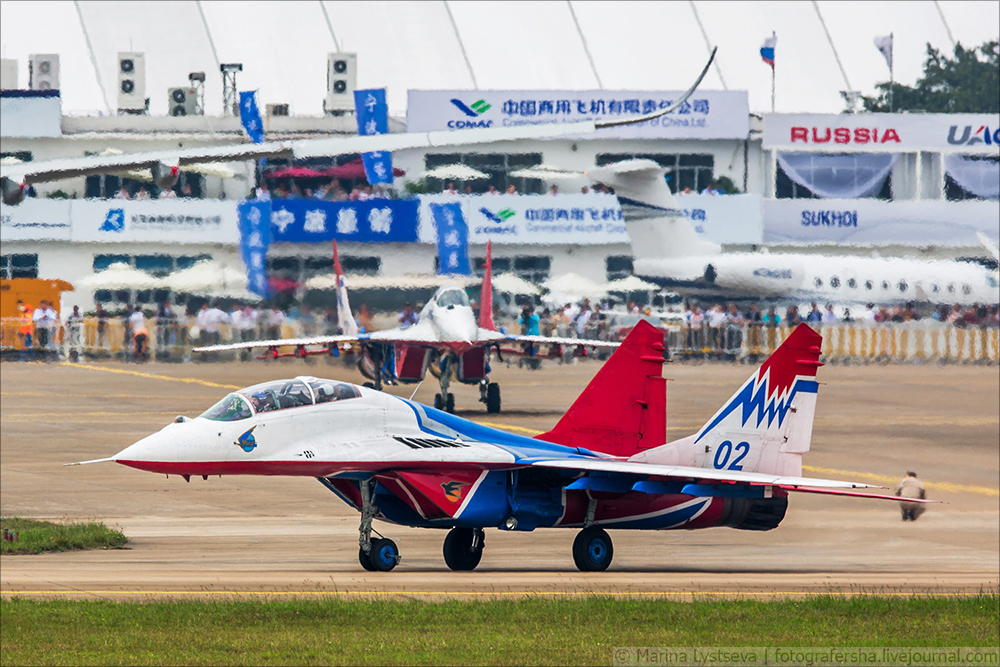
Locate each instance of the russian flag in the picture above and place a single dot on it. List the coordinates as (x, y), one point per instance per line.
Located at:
(767, 51)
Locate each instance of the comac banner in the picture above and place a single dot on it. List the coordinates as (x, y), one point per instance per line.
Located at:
(883, 132)
(706, 115)
(36, 220)
(157, 221)
(373, 221)
(874, 222)
(587, 219)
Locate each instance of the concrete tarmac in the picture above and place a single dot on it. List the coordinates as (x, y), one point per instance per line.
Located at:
(274, 536)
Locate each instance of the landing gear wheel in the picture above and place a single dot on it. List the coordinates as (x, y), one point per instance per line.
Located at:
(384, 555)
(438, 402)
(449, 404)
(463, 548)
(592, 550)
(492, 398)
(365, 561)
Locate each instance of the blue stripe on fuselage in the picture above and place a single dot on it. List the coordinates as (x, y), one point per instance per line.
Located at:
(523, 448)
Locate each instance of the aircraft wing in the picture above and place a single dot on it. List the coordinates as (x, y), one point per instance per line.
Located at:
(51, 170)
(709, 475)
(282, 342)
(569, 342)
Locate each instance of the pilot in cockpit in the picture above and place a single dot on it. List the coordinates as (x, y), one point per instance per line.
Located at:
(263, 401)
(334, 392)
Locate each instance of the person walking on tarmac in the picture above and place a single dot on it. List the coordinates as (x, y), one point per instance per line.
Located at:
(911, 487)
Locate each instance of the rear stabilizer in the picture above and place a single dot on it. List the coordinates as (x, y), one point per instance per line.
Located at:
(624, 408)
(766, 425)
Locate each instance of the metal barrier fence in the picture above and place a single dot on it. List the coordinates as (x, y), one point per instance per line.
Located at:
(907, 342)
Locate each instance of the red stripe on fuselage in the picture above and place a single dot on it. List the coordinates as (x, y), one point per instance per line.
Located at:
(306, 468)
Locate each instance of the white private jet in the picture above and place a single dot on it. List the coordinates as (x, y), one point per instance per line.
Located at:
(603, 466)
(670, 253)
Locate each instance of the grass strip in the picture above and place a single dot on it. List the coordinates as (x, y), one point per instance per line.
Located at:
(35, 537)
(525, 631)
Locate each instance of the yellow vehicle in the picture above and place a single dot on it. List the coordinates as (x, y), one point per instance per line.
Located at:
(29, 290)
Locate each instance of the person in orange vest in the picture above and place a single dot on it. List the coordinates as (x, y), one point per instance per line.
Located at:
(26, 330)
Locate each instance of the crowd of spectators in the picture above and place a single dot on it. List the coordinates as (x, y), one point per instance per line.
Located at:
(44, 335)
(332, 191)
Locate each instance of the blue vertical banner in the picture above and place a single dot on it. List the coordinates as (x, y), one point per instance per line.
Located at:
(452, 239)
(255, 237)
(373, 118)
(250, 116)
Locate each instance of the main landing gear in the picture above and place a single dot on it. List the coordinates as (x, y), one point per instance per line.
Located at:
(489, 393)
(593, 550)
(463, 548)
(382, 554)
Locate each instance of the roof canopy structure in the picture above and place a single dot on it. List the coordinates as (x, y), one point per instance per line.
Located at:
(509, 45)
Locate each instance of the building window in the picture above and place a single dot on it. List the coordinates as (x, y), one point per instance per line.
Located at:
(497, 165)
(687, 172)
(618, 266)
(534, 269)
(786, 188)
(301, 269)
(19, 266)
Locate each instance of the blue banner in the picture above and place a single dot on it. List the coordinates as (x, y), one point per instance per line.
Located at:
(373, 118)
(250, 116)
(452, 239)
(255, 237)
(372, 221)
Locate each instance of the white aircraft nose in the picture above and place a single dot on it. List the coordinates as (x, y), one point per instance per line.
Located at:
(456, 324)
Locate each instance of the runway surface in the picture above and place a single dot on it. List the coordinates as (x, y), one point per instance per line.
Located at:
(290, 536)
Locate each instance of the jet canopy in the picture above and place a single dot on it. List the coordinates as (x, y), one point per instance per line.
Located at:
(279, 395)
(451, 296)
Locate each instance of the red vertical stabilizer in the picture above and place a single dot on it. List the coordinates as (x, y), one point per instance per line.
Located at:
(624, 408)
(486, 293)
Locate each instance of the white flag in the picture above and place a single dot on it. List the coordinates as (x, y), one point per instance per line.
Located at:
(884, 44)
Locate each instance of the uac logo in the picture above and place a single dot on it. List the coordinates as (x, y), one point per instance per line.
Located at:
(115, 221)
(247, 441)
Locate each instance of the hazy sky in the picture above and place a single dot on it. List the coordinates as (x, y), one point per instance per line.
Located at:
(510, 45)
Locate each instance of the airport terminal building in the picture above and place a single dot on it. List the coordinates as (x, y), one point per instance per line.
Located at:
(908, 184)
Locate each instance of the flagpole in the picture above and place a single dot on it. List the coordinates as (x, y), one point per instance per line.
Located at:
(891, 79)
(773, 35)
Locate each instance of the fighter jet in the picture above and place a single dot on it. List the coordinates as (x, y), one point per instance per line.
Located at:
(447, 340)
(603, 466)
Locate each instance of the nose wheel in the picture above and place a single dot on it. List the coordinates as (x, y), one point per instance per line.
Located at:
(378, 555)
(463, 548)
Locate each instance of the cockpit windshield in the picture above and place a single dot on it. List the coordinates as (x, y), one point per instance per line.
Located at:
(452, 297)
(232, 408)
(278, 395)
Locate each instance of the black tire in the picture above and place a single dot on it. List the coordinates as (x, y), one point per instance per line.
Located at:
(593, 550)
(458, 552)
(384, 554)
(438, 402)
(449, 404)
(492, 398)
(365, 561)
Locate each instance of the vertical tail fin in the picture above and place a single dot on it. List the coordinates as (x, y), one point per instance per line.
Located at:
(624, 408)
(345, 318)
(656, 224)
(766, 425)
(486, 293)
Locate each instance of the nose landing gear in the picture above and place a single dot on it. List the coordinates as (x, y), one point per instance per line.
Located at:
(463, 548)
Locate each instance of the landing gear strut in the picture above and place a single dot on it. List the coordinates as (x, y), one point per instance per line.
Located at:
(463, 548)
(445, 400)
(381, 554)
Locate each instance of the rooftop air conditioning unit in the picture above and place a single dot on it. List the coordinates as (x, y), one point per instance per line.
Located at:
(43, 71)
(182, 101)
(341, 80)
(8, 74)
(131, 82)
